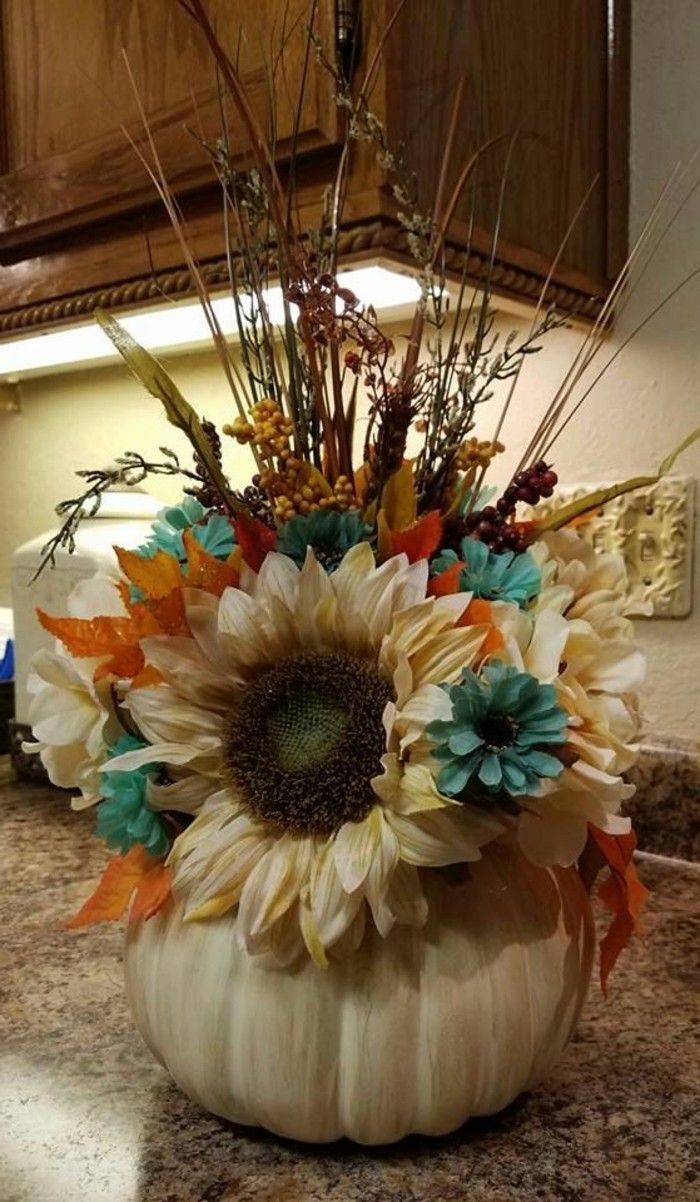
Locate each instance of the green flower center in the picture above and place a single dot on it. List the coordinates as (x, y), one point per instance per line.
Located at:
(305, 741)
(498, 730)
(304, 729)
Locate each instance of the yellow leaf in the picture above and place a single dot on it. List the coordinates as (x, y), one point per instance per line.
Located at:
(383, 536)
(594, 500)
(156, 577)
(667, 463)
(179, 412)
(205, 571)
(399, 498)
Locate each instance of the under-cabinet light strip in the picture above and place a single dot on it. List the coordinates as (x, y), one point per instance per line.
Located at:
(179, 325)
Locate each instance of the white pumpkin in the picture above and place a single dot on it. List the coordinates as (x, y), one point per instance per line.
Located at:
(413, 1033)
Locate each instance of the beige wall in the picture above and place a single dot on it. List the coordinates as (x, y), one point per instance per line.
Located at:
(646, 403)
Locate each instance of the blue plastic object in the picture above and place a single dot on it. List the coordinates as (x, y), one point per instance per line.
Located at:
(7, 663)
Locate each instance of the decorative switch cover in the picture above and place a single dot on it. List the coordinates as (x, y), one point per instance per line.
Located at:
(652, 529)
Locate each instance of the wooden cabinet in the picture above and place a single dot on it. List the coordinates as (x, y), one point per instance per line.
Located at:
(81, 224)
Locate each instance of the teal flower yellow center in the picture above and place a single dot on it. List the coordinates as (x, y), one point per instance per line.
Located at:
(305, 741)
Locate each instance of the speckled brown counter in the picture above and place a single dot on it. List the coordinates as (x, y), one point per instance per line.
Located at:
(87, 1115)
(666, 806)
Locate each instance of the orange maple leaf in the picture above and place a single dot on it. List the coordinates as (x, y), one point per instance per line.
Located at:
(122, 875)
(125, 663)
(155, 577)
(419, 540)
(205, 571)
(623, 893)
(162, 615)
(86, 637)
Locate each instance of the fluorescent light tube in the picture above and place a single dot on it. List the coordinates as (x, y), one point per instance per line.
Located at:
(181, 325)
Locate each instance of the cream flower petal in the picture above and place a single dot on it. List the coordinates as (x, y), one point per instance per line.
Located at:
(442, 660)
(381, 871)
(547, 837)
(96, 597)
(245, 631)
(69, 712)
(221, 887)
(546, 647)
(183, 665)
(414, 628)
(445, 836)
(63, 765)
(178, 754)
(428, 704)
(187, 795)
(163, 717)
(408, 788)
(332, 908)
(354, 847)
(272, 887)
(202, 613)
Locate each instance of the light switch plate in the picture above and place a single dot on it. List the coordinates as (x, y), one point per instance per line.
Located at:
(652, 529)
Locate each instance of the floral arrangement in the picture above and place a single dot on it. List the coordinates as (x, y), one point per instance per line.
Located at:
(361, 665)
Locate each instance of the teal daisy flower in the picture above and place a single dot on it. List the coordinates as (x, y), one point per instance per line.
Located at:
(214, 533)
(493, 576)
(124, 817)
(501, 722)
(329, 533)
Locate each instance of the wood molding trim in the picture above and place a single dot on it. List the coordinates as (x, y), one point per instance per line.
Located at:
(358, 241)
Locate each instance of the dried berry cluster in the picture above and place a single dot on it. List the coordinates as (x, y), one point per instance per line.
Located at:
(493, 525)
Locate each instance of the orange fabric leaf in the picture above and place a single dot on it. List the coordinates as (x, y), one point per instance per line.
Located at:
(111, 897)
(447, 582)
(205, 571)
(255, 540)
(126, 662)
(419, 540)
(168, 614)
(155, 577)
(152, 893)
(86, 637)
(147, 676)
(623, 893)
(479, 613)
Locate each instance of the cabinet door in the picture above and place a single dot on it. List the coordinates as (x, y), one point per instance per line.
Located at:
(551, 74)
(65, 160)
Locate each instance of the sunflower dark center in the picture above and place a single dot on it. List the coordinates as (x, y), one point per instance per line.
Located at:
(498, 730)
(305, 741)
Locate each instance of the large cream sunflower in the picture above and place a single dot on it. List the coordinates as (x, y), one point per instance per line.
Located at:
(288, 719)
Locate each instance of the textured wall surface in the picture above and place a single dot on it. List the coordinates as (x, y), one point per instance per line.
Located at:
(647, 401)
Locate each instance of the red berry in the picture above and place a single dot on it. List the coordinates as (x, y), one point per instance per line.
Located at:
(549, 479)
(528, 494)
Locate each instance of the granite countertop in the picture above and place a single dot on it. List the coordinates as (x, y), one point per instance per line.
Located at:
(87, 1114)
